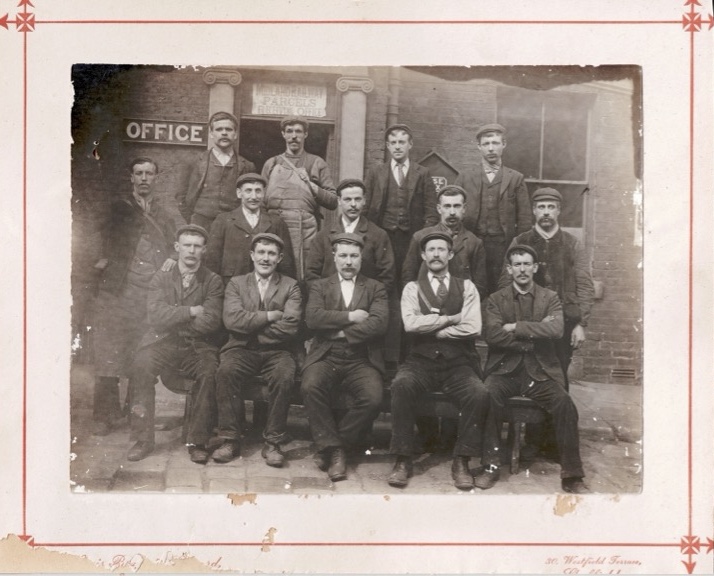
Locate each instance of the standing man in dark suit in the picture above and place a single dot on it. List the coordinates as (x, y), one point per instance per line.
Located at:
(212, 179)
(401, 199)
(442, 312)
(348, 313)
(231, 238)
(377, 255)
(184, 314)
(138, 240)
(262, 312)
(497, 200)
(522, 323)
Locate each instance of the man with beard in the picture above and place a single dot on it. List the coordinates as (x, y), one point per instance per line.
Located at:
(348, 313)
(184, 316)
(299, 183)
(230, 242)
(137, 242)
(522, 323)
(377, 256)
(212, 178)
(497, 200)
(442, 313)
(262, 311)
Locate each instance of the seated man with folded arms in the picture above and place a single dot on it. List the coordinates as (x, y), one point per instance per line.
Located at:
(523, 323)
(184, 315)
(442, 314)
(261, 312)
(348, 313)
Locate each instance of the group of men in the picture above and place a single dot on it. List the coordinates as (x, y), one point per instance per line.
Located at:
(234, 291)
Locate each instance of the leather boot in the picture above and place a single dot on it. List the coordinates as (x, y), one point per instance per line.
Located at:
(460, 473)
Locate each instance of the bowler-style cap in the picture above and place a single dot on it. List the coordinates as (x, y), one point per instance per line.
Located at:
(347, 238)
(250, 177)
(521, 248)
(192, 229)
(268, 237)
(288, 120)
(490, 128)
(436, 236)
(546, 194)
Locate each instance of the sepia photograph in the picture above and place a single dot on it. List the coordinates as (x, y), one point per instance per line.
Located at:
(357, 280)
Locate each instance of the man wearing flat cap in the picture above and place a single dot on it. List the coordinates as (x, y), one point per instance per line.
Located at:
(562, 267)
(299, 184)
(442, 314)
(184, 316)
(262, 312)
(377, 255)
(348, 313)
(498, 207)
(522, 323)
(212, 178)
(401, 199)
(230, 240)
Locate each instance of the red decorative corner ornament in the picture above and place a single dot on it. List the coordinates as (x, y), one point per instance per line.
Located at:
(24, 21)
(690, 544)
(710, 545)
(30, 540)
(692, 21)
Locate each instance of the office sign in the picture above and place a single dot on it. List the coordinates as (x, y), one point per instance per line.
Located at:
(289, 100)
(165, 132)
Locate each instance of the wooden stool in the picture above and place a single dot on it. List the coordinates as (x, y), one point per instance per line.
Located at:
(520, 411)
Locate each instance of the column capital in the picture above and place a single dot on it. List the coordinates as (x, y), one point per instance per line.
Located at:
(362, 83)
(222, 76)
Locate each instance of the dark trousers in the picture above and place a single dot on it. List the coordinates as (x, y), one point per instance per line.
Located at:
(495, 249)
(456, 378)
(356, 376)
(238, 365)
(553, 398)
(393, 339)
(195, 359)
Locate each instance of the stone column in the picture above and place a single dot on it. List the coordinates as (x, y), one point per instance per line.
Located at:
(353, 124)
(222, 94)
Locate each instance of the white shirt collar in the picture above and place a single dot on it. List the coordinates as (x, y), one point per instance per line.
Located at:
(547, 235)
(349, 226)
(221, 156)
(432, 276)
(259, 278)
(405, 164)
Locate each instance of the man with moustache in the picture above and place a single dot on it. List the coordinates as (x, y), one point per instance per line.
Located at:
(261, 311)
(138, 240)
(184, 317)
(469, 261)
(377, 256)
(348, 313)
(497, 200)
(212, 177)
(522, 323)
(299, 184)
(230, 242)
(442, 313)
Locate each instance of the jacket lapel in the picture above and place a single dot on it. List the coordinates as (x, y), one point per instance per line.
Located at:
(358, 293)
(240, 221)
(263, 222)
(271, 290)
(505, 179)
(197, 280)
(412, 177)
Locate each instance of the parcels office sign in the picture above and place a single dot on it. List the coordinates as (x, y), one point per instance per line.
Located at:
(165, 132)
(289, 100)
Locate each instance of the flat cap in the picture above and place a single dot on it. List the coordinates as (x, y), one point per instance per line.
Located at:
(216, 116)
(192, 229)
(288, 120)
(349, 183)
(394, 127)
(267, 237)
(436, 236)
(546, 194)
(347, 238)
(250, 177)
(452, 190)
(490, 128)
(521, 248)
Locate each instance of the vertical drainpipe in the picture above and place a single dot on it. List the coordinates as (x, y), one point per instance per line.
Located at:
(395, 83)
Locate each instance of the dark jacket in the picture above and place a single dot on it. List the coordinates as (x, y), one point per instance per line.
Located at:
(228, 252)
(377, 255)
(168, 306)
(324, 316)
(468, 263)
(563, 267)
(514, 207)
(187, 195)
(248, 324)
(122, 231)
(422, 195)
(505, 349)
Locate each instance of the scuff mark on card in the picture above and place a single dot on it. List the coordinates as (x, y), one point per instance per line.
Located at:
(19, 556)
(268, 539)
(565, 504)
(386, 497)
(240, 499)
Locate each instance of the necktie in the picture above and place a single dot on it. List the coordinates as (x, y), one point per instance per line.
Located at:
(441, 291)
(262, 285)
(400, 174)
